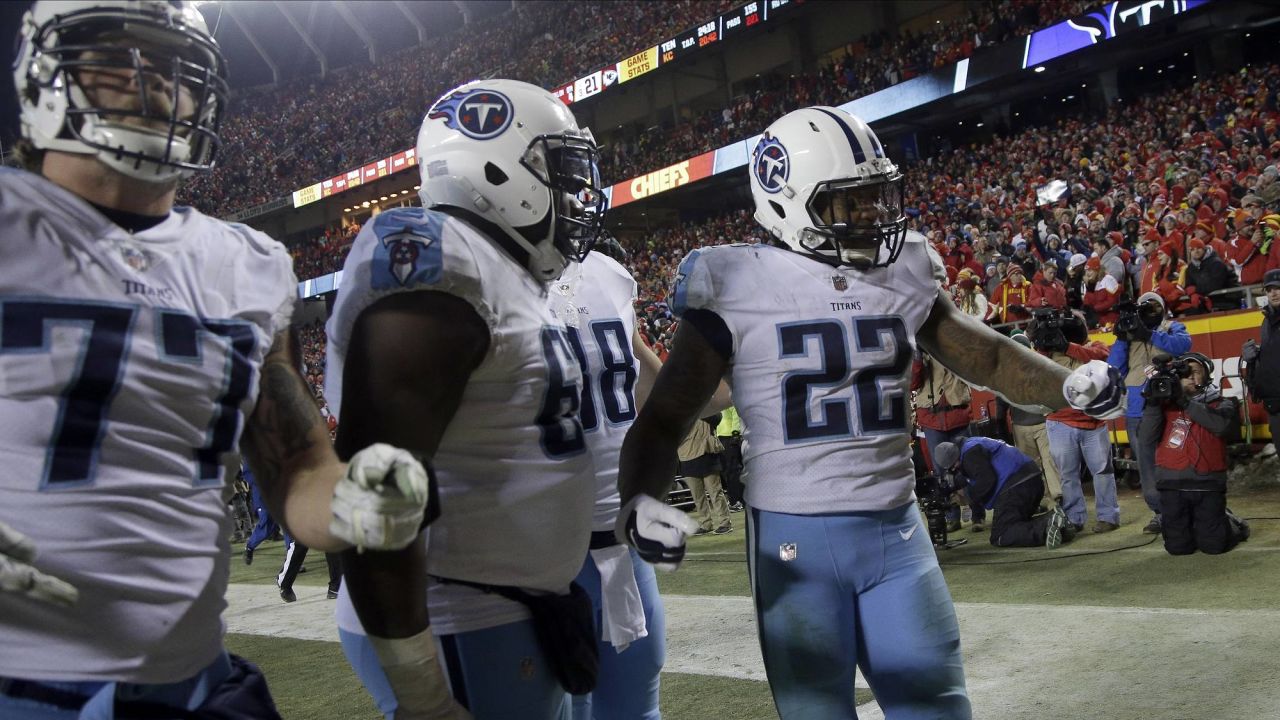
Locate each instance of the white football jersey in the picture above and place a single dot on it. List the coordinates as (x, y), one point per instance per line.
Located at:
(514, 474)
(128, 365)
(820, 371)
(595, 299)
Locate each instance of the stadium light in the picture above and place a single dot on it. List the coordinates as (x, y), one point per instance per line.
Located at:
(364, 204)
(384, 197)
(1039, 68)
(979, 124)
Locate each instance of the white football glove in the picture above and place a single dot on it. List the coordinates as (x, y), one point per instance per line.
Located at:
(655, 529)
(19, 577)
(380, 502)
(1097, 389)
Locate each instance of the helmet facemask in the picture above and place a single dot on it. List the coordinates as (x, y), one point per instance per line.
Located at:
(175, 74)
(568, 165)
(856, 221)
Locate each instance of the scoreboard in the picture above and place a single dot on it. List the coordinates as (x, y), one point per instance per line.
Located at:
(730, 24)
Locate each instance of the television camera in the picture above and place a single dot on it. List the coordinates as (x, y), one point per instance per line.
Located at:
(934, 493)
(1165, 381)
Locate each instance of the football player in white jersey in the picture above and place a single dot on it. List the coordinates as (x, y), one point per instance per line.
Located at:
(595, 298)
(815, 335)
(442, 341)
(137, 341)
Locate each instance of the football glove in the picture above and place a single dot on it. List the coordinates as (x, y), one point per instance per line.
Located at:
(379, 504)
(19, 577)
(656, 530)
(1097, 389)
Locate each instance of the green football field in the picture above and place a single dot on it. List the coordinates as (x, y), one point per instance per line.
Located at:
(1108, 627)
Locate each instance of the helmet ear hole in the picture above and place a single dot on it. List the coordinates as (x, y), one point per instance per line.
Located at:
(494, 174)
(778, 209)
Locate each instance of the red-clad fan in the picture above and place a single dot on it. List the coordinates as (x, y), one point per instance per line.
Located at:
(1101, 293)
(1047, 290)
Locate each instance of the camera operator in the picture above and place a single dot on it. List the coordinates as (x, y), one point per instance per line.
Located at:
(1262, 373)
(942, 411)
(1142, 332)
(1074, 438)
(1183, 426)
(1000, 478)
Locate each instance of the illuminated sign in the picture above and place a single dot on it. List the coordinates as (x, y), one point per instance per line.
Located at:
(638, 64)
(306, 195)
(739, 19)
(1109, 21)
(658, 181)
(402, 160)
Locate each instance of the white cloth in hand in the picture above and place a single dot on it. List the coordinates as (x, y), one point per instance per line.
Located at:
(19, 577)
(621, 611)
(380, 502)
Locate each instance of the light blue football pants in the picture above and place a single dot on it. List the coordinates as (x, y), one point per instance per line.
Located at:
(861, 589)
(628, 684)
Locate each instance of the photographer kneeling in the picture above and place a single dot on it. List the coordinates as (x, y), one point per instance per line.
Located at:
(1001, 478)
(1182, 428)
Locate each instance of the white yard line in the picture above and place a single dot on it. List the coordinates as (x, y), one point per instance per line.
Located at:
(1021, 661)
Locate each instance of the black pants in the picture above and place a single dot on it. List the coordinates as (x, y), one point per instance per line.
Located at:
(1273, 421)
(293, 564)
(1013, 524)
(731, 467)
(1196, 520)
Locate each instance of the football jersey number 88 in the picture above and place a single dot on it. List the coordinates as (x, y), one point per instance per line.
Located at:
(877, 414)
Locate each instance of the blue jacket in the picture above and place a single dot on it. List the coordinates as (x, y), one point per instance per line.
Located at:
(1174, 341)
(987, 465)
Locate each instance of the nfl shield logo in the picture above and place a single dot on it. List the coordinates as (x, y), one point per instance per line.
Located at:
(787, 551)
(139, 260)
(840, 283)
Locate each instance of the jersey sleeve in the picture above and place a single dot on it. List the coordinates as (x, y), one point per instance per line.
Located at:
(408, 250)
(268, 258)
(694, 287)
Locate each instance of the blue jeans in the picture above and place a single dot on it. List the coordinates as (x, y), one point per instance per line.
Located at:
(627, 688)
(835, 592)
(1072, 447)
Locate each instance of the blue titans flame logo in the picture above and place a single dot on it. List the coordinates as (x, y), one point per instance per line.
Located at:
(770, 164)
(478, 114)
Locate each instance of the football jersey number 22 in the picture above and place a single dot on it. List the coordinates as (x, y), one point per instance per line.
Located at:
(876, 414)
(25, 327)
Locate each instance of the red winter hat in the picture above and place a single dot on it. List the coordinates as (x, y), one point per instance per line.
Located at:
(1153, 234)
(1093, 263)
(1014, 268)
(1206, 227)
(1195, 243)
(1115, 237)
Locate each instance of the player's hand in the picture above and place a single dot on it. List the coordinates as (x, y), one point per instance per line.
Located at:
(656, 530)
(19, 577)
(379, 504)
(1097, 389)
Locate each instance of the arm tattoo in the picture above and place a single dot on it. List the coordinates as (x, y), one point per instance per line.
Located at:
(283, 423)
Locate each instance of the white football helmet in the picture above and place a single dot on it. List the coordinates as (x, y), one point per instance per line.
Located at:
(823, 186)
(511, 155)
(144, 138)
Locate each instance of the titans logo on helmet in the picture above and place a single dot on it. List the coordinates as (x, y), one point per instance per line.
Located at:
(478, 114)
(771, 164)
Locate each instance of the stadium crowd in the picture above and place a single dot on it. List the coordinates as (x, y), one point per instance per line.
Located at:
(279, 139)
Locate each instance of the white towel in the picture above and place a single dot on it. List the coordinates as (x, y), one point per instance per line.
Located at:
(622, 613)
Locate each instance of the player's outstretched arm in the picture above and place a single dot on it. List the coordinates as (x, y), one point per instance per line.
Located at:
(985, 358)
(287, 445)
